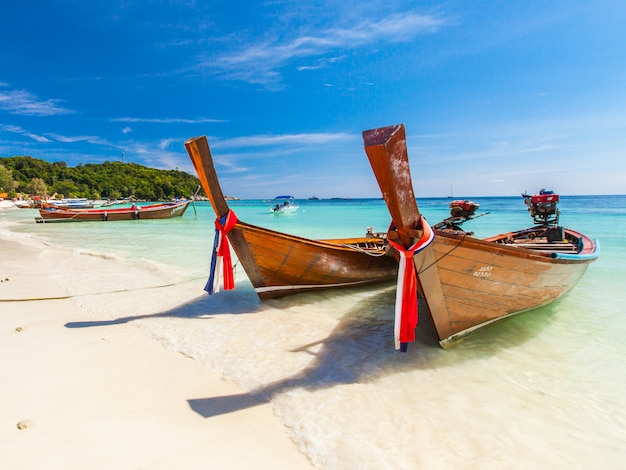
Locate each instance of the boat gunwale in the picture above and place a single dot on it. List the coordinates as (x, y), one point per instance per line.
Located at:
(329, 243)
(589, 252)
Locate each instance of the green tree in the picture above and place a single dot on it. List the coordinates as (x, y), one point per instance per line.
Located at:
(67, 188)
(7, 184)
(38, 187)
(111, 179)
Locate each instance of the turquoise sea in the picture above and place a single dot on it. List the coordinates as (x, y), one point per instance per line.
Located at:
(544, 389)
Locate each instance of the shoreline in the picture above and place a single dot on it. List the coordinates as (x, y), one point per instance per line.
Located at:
(111, 397)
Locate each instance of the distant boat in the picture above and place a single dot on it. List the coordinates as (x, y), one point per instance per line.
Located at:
(280, 264)
(24, 204)
(467, 282)
(155, 211)
(284, 205)
(71, 203)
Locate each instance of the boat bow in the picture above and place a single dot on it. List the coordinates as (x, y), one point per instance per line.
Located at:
(409, 232)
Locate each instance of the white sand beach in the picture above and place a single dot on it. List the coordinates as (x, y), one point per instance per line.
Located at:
(111, 397)
(134, 366)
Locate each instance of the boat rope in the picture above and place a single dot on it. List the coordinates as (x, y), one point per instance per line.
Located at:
(444, 255)
(193, 200)
(117, 291)
(406, 315)
(376, 252)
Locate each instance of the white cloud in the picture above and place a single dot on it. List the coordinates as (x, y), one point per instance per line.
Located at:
(66, 139)
(92, 139)
(257, 63)
(320, 63)
(308, 67)
(19, 130)
(155, 154)
(165, 143)
(266, 140)
(166, 120)
(38, 138)
(24, 103)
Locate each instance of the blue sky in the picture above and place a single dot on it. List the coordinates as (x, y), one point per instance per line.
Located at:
(498, 97)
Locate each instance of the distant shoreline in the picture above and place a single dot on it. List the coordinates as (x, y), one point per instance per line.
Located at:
(344, 199)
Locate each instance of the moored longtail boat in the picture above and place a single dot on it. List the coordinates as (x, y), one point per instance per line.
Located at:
(280, 264)
(164, 210)
(466, 282)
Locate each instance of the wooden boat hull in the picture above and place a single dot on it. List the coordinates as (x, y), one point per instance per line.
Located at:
(480, 282)
(279, 264)
(469, 283)
(287, 264)
(156, 211)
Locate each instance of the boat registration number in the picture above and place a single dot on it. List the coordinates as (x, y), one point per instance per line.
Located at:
(484, 271)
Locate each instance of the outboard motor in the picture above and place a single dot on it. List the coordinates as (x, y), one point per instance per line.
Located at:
(463, 208)
(542, 207)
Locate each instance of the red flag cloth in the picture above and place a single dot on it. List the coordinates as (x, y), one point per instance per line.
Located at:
(223, 250)
(406, 293)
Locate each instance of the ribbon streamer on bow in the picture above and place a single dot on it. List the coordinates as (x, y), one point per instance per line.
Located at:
(406, 292)
(221, 255)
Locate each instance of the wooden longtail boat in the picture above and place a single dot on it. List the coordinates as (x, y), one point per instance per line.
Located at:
(466, 282)
(155, 211)
(279, 264)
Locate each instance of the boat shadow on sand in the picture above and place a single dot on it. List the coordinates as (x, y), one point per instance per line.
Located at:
(243, 301)
(359, 348)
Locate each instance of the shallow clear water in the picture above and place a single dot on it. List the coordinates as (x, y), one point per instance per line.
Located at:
(545, 389)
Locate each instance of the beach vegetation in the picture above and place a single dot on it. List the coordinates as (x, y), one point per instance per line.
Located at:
(38, 187)
(111, 179)
(7, 183)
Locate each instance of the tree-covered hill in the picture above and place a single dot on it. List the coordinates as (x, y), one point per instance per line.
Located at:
(106, 180)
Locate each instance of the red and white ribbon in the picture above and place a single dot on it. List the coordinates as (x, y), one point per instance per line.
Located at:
(221, 260)
(406, 293)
